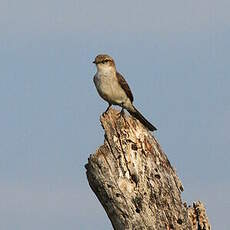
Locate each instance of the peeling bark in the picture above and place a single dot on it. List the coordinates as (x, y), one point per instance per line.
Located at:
(135, 182)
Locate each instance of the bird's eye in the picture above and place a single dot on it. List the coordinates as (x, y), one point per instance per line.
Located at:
(103, 62)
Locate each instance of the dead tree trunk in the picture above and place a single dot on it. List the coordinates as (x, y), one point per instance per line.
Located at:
(135, 182)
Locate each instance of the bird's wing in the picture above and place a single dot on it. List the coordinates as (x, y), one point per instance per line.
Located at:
(94, 79)
(124, 85)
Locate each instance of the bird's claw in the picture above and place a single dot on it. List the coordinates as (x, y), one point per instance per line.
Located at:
(103, 114)
(121, 113)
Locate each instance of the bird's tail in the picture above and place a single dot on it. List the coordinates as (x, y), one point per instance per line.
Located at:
(135, 113)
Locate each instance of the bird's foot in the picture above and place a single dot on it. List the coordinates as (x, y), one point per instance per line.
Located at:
(121, 114)
(103, 114)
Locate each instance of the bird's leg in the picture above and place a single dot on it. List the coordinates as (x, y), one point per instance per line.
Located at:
(122, 112)
(107, 109)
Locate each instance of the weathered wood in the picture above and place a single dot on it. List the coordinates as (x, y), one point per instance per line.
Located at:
(198, 217)
(135, 182)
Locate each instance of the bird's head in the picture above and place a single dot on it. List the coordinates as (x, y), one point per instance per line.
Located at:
(104, 62)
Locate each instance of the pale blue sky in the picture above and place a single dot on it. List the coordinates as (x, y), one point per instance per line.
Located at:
(175, 56)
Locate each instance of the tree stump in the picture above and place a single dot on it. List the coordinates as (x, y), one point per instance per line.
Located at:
(135, 182)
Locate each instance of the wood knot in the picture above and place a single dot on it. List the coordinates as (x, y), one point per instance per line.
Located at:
(134, 147)
(135, 178)
(179, 221)
(138, 203)
(158, 176)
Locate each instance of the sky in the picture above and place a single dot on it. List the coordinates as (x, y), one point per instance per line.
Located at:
(175, 56)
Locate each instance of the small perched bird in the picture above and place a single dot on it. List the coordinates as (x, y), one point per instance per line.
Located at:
(113, 88)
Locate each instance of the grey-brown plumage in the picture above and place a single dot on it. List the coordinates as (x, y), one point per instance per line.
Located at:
(113, 88)
(124, 85)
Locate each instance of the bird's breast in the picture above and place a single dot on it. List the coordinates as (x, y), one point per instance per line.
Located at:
(109, 89)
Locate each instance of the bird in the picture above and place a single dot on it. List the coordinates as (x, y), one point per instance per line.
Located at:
(114, 89)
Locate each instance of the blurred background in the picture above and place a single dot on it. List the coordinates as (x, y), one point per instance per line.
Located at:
(175, 56)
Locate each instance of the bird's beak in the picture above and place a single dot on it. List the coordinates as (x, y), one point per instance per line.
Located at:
(94, 62)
